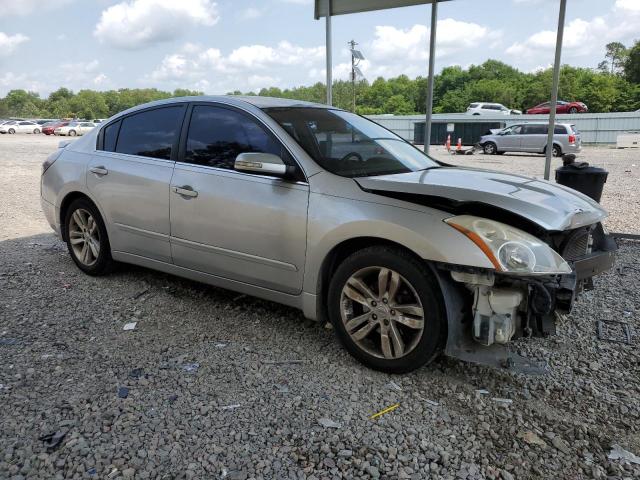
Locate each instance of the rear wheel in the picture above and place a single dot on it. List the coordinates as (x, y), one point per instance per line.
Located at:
(87, 239)
(12, 131)
(573, 110)
(387, 310)
(557, 152)
(490, 148)
(36, 130)
(72, 133)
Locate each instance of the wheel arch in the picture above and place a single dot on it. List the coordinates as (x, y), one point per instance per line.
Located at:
(338, 254)
(64, 205)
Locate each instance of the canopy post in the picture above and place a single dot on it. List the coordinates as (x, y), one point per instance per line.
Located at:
(554, 90)
(328, 55)
(432, 59)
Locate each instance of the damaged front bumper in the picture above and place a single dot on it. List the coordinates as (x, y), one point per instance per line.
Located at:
(502, 307)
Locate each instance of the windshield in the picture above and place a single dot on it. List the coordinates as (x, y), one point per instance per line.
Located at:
(349, 145)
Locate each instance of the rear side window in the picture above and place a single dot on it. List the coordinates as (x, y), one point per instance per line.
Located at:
(561, 129)
(473, 105)
(218, 135)
(152, 133)
(110, 136)
(535, 129)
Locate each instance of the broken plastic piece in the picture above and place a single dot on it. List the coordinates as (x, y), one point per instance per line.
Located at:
(328, 423)
(506, 401)
(191, 367)
(53, 440)
(130, 326)
(619, 453)
(230, 407)
(123, 392)
(394, 386)
(385, 411)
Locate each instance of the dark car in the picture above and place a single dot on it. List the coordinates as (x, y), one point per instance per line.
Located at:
(563, 107)
(49, 128)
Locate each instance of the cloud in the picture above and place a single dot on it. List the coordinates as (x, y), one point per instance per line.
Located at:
(9, 43)
(136, 24)
(26, 7)
(628, 5)
(246, 67)
(250, 13)
(582, 37)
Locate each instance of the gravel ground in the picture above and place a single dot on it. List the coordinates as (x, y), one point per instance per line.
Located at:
(225, 386)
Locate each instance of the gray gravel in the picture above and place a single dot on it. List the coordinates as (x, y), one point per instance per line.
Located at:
(226, 386)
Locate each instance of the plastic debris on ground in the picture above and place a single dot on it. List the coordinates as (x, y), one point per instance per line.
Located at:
(384, 412)
(136, 373)
(130, 326)
(619, 453)
(281, 362)
(482, 391)
(394, 386)
(8, 341)
(53, 440)
(504, 401)
(328, 423)
(432, 403)
(532, 438)
(123, 392)
(191, 367)
(230, 407)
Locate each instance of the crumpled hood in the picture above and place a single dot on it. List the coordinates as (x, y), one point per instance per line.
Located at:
(549, 205)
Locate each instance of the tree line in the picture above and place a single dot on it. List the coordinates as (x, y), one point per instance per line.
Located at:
(614, 86)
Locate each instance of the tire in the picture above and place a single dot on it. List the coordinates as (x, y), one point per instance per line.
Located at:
(35, 131)
(573, 110)
(93, 264)
(416, 290)
(490, 148)
(557, 151)
(11, 131)
(72, 133)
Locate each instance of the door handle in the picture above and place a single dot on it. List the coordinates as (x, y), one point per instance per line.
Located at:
(185, 191)
(101, 171)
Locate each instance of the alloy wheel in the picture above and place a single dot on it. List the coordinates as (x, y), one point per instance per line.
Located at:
(84, 236)
(382, 312)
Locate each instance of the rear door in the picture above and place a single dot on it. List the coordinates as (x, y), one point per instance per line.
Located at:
(534, 138)
(129, 177)
(245, 227)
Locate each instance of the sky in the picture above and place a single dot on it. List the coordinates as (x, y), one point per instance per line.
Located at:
(220, 46)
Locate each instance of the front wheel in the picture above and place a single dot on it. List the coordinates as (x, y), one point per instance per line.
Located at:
(87, 239)
(72, 133)
(12, 131)
(387, 309)
(490, 148)
(35, 130)
(573, 110)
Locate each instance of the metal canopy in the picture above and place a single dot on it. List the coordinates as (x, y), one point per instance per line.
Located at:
(342, 7)
(330, 8)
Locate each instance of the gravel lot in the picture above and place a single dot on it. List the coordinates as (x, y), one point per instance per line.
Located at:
(226, 386)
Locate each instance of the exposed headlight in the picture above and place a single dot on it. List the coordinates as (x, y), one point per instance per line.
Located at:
(509, 249)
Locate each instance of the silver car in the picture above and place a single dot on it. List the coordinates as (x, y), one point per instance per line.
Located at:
(532, 138)
(326, 211)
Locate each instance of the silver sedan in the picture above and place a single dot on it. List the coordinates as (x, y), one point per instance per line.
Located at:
(321, 209)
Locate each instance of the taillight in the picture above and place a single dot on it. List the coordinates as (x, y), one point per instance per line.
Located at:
(572, 139)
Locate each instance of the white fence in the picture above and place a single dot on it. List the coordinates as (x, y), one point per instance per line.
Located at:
(597, 128)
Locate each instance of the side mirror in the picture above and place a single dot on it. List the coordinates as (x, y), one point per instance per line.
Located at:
(263, 163)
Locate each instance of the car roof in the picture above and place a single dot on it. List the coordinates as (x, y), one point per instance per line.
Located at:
(539, 123)
(238, 100)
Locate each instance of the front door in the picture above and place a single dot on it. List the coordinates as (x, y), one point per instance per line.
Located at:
(240, 226)
(129, 178)
(511, 139)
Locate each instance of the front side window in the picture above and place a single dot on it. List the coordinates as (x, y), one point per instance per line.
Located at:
(151, 133)
(218, 135)
(349, 145)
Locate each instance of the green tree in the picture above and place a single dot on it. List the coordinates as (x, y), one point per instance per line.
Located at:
(632, 64)
(615, 57)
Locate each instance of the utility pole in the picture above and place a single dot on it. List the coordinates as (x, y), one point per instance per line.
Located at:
(356, 57)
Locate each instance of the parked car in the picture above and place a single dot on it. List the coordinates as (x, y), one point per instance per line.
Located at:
(406, 256)
(20, 126)
(50, 128)
(98, 120)
(532, 137)
(74, 128)
(563, 107)
(483, 108)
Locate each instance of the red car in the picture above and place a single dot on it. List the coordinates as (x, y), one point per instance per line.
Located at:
(563, 107)
(48, 128)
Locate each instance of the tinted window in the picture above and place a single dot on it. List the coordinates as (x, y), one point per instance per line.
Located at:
(218, 135)
(151, 133)
(473, 105)
(110, 136)
(535, 129)
(560, 129)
